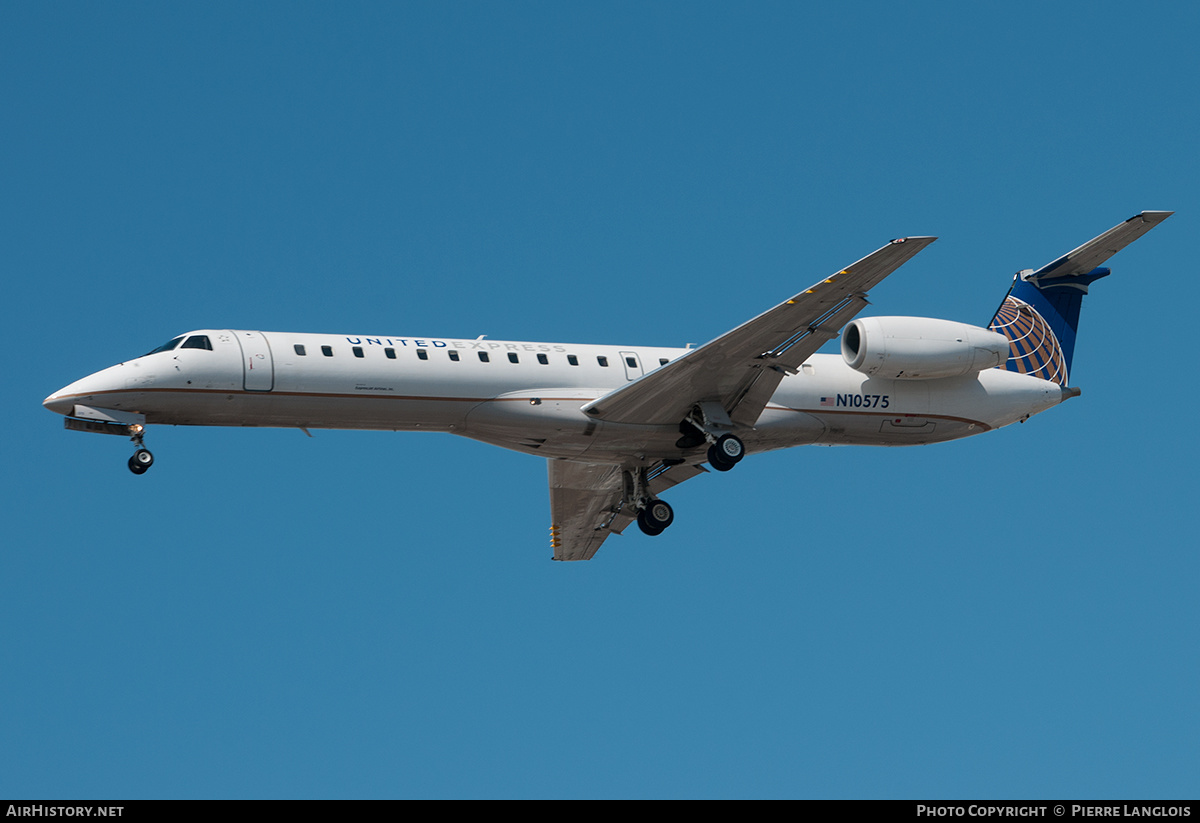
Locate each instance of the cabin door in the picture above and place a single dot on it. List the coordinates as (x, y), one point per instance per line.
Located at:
(257, 366)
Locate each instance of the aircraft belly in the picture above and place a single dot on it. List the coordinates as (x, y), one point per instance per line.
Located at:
(203, 407)
(353, 411)
(551, 423)
(543, 422)
(908, 430)
(782, 428)
(856, 409)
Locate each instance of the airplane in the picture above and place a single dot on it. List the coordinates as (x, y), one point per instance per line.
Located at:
(619, 425)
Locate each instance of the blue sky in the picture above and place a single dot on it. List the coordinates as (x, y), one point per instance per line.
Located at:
(376, 615)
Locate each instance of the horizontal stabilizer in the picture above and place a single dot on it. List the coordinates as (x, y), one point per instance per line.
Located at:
(1040, 313)
(1094, 252)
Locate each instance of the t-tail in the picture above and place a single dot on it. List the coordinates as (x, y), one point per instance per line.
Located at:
(1040, 314)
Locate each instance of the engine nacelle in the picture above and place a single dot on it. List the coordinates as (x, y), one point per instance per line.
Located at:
(920, 348)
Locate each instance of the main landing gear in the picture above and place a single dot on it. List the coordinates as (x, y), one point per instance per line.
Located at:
(709, 423)
(142, 459)
(726, 453)
(653, 515)
(654, 519)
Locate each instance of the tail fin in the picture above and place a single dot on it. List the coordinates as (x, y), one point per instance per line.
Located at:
(1040, 314)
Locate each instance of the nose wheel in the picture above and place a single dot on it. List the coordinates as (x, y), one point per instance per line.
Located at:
(142, 459)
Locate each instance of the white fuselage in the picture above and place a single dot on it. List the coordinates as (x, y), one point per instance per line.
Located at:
(524, 396)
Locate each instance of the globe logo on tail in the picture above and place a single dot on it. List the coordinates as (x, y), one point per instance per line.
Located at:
(1033, 348)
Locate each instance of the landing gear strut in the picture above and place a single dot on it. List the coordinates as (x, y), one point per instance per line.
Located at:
(142, 459)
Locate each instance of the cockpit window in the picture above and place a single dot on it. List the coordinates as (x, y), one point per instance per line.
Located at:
(170, 344)
(198, 341)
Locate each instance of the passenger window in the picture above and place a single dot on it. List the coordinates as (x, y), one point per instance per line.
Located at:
(390, 354)
(453, 355)
(512, 357)
(602, 360)
(357, 351)
(327, 351)
(299, 349)
(422, 354)
(573, 360)
(483, 357)
(631, 362)
(662, 361)
(197, 341)
(544, 360)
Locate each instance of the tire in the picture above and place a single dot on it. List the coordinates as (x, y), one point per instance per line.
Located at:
(654, 519)
(660, 514)
(731, 448)
(143, 458)
(717, 460)
(647, 529)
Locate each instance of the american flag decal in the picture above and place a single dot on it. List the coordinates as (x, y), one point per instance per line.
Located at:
(826, 401)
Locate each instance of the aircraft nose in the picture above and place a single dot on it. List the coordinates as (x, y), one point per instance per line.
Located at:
(82, 391)
(57, 404)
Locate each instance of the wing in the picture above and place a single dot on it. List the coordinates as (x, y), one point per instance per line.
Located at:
(587, 503)
(742, 368)
(1094, 252)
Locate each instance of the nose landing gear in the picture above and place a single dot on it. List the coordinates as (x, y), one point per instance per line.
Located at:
(142, 459)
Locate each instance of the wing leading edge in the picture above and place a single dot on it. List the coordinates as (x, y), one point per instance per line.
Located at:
(741, 369)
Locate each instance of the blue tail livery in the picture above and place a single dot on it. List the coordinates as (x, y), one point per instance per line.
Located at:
(1040, 313)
